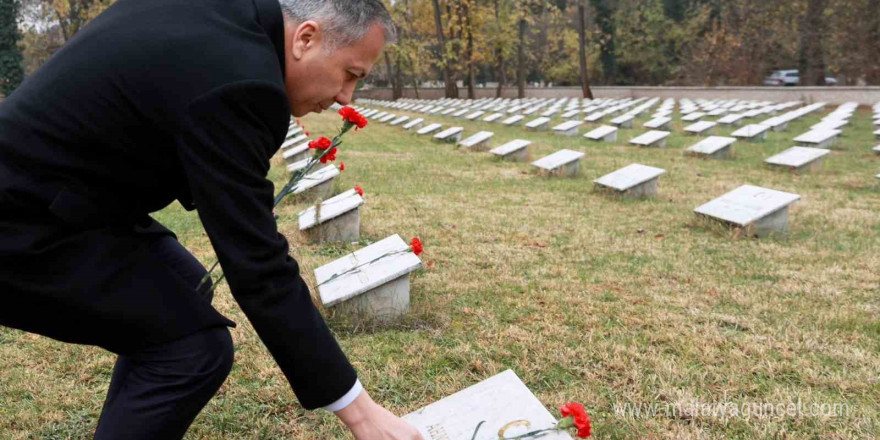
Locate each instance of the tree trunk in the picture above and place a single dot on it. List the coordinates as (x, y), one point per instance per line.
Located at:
(872, 74)
(501, 77)
(451, 91)
(812, 54)
(469, 52)
(521, 60)
(390, 72)
(582, 49)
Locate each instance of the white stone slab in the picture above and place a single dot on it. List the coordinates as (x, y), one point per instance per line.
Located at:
(693, 116)
(298, 139)
(399, 120)
(460, 113)
(718, 147)
(513, 120)
(659, 123)
(877, 134)
(830, 125)
(414, 123)
(747, 204)
(558, 160)
(604, 133)
(623, 121)
(309, 181)
(294, 131)
(497, 401)
(700, 127)
(477, 140)
(651, 138)
(797, 157)
(387, 117)
(447, 111)
(876, 149)
(538, 123)
(731, 119)
(629, 176)
(570, 114)
(380, 115)
(595, 117)
(516, 148)
(365, 269)
(330, 209)
(296, 153)
(429, 128)
(752, 132)
(819, 138)
(567, 128)
(493, 117)
(450, 134)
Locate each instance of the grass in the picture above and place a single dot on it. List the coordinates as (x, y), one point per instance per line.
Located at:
(587, 297)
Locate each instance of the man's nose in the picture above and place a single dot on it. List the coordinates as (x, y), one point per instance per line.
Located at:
(344, 96)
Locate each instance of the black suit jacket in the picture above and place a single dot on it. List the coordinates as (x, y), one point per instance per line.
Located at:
(157, 100)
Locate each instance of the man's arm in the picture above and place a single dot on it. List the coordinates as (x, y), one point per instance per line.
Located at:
(225, 148)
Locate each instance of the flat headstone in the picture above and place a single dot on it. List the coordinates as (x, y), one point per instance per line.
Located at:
(371, 283)
(516, 149)
(496, 401)
(693, 116)
(799, 158)
(700, 127)
(595, 117)
(650, 139)
(297, 153)
(380, 115)
(634, 180)
(714, 147)
(539, 123)
(876, 149)
(399, 120)
(387, 117)
(475, 115)
(493, 117)
(414, 123)
(623, 121)
(731, 119)
(818, 138)
(339, 219)
(478, 141)
(760, 211)
(293, 132)
(752, 132)
(429, 128)
(513, 120)
(877, 134)
(570, 114)
(447, 111)
(567, 128)
(830, 125)
(296, 140)
(459, 113)
(451, 135)
(560, 163)
(658, 123)
(604, 133)
(318, 184)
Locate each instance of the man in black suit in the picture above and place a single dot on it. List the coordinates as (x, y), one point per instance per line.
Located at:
(163, 100)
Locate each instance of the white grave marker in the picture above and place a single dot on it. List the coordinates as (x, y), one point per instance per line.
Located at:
(371, 283)
(653, 138)
(752, 132)
(567, 128)
(604, 133)
(538, 124)
(399, 120)
(818, 138)
(561, 163)
(339, 219)
(475, 115)
(514, 150)
(414, 123)
(799, 159)
(700, 127)
(713, 147)
(731, 119)
(428, 129)
(297, 153)
(623, 121)
(634, 180)
(387, 117)
(493, 117)
(318, 184)
(659, 123)
(477, 142)
(513, 120)
(450, 135)
(759, 211)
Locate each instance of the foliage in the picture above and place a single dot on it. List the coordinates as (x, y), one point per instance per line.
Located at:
(11, 73)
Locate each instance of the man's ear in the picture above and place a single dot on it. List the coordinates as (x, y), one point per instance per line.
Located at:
(306, 36)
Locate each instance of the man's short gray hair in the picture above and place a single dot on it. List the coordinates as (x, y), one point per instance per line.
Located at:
(345, 22)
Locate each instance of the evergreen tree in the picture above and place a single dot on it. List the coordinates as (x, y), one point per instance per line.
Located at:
(11, 72)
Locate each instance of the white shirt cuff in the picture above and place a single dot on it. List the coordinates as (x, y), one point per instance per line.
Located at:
(346, 400)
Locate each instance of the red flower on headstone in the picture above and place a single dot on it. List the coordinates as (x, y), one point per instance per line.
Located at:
(329, 156)
(416, 246)
(359, 190)
(341, 166)
(320, 143)
(352, 116)
(580, 417)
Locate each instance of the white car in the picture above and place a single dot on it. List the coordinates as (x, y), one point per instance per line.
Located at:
(790, 78)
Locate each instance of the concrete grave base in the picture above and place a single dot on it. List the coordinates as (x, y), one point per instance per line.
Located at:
(781, 127)
(449, 139)
(813, 166)
(722, 154)
(485, 145)
(570, 169)
(298, 157)
(381, 304)
(345, 228)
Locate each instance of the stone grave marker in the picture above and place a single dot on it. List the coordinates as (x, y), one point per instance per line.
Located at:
(428, 129)
(758, 211)
(302, 163)
(700, 128)
(570, 114)
(417, 122)
(459, 113)
(713, 147)
(567, 128)
(339, 219)
(493, 117)
(497, 402)
(604, 133)
(830, 125)
(479, 141)
(752, 132)
(563, 163)
(538, 124)
(799, 159)
(876, 149)
(658, 123)
(653, 138)
(693, 116)
(513, 120)
(371, 284)
(636, 180)
(818, 138)
(516, 150)
(318, 184)
(877, 134)
(380, 115)
(475, 115)
(595, 117)
(447, 111)
(293, 131)
(450, 135)
(297, 153)
(387, 117)
(623, 121)
(296, 140)
(731, 119)
(399, 120)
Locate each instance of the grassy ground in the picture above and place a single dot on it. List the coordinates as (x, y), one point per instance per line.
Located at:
(587, 297)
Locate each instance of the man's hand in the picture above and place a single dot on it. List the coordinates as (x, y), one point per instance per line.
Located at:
(367, 420)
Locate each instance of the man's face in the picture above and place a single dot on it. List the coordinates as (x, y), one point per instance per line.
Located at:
(316, 78)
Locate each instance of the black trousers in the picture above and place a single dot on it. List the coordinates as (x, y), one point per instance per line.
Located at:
(166, 371)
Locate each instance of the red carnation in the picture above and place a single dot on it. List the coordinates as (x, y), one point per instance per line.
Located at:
(329, 156)
(580, 417)
(320, 143)
(416, 246)
(352, 116)
(341, 166)
(359, 190)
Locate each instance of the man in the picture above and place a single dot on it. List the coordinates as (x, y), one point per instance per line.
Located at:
(157, 100)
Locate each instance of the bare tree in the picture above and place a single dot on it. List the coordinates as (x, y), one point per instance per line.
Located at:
(812, 53)
(582, 49)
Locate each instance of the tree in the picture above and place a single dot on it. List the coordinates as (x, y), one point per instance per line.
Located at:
(11, 72)
(582, 49)
(812, 53)
(451, 89)
(605, 20)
